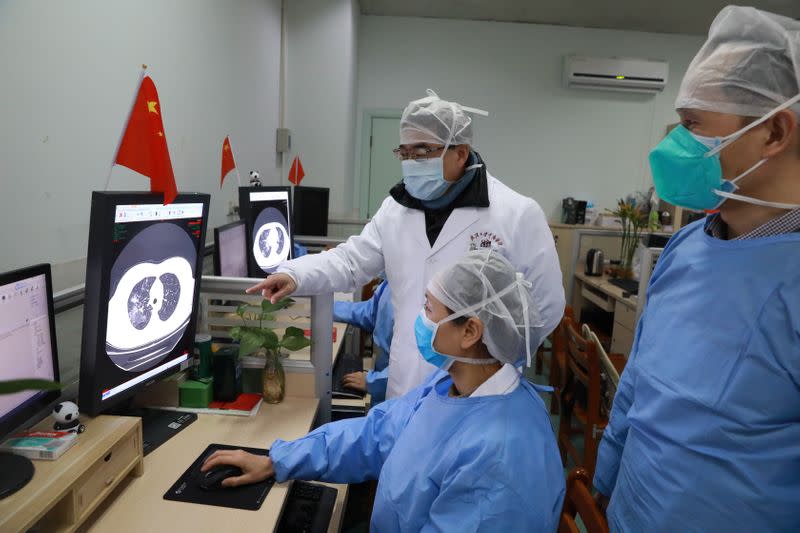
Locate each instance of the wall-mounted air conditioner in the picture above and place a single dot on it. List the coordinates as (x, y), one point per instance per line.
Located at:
(615, 74)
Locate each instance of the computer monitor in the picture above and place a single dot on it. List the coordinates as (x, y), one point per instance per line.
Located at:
(267, 212)
(27, 350)
(230, 250)
(143, 271)
(310, 211)
(27, 343)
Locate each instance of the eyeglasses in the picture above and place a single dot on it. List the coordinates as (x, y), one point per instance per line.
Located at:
(417, 152)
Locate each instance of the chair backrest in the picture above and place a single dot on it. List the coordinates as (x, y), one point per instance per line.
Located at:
(560, 333)
(605, 361)
(579, 501)
(584, 365)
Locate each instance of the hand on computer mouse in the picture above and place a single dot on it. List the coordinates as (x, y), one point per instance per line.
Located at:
(255, 468)
(214, 478)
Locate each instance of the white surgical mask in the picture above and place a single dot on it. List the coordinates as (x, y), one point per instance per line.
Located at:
(424, 178)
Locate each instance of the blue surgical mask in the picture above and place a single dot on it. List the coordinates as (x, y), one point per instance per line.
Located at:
(425, 332)
(424, 178)
(687, 171)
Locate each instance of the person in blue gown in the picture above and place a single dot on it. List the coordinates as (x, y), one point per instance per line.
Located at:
(472, 448)
(704, 434)
(374, 316)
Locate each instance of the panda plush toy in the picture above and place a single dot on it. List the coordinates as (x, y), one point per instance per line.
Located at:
(255, 178)
(66, 415)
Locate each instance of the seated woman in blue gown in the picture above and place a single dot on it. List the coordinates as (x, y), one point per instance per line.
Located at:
(472, 449)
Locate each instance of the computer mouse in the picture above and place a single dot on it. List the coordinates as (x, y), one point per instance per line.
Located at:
(212, 480)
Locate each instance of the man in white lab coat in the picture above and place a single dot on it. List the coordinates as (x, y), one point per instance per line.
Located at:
(446, 205)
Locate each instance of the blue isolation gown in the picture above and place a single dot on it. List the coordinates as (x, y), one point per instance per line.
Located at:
(705, 430)
(375, 316)
(487, 463)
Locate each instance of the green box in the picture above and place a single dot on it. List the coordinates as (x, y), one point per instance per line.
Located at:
(196, 393)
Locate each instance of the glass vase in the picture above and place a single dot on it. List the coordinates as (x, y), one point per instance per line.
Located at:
(273, 379)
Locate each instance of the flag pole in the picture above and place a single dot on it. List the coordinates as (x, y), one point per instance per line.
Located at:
(238, 176)
(125, 128)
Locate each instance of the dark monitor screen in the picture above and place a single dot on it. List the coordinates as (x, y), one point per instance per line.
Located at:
(143, 270)
(27, 343)
(267, 213)
(311, 211)
(230, 250)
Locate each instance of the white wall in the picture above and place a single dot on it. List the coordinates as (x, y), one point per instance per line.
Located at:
(68, 75)
(320, 96)
(542, 139)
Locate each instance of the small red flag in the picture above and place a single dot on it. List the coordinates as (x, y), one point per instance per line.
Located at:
(296, 173)
(143, 148)
(228, 163)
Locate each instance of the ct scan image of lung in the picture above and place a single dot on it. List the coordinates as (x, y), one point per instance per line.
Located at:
(271, 243)
(152, 288)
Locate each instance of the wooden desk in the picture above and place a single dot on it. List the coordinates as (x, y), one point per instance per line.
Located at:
(610, 298)
(65, 492)
(138, 504)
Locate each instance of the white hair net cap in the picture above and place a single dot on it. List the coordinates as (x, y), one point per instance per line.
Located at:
(749, 65)
(433, 120)
(484, 284)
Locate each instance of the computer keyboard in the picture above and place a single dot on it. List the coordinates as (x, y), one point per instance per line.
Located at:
(309, 508)
(346, 363)
(627, 285)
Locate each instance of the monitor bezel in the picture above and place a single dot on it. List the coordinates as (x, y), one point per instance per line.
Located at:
(95, 319)
(43, 400)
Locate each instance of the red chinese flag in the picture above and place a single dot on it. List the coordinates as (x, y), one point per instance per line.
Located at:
(296, 173)
(228, 163)
(144, 146)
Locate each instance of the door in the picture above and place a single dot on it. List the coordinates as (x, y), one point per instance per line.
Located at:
(384, 168)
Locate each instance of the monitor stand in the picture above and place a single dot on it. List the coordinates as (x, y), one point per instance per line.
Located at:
(158, 425)
(16, 470)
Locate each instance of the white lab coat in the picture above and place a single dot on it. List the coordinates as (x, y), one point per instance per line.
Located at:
(395, 241)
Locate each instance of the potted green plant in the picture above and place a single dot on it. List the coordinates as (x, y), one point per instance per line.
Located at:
(633, 220)
(264, 342)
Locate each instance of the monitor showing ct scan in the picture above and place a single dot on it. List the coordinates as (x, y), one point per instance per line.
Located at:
(144, 264)
(267, 215)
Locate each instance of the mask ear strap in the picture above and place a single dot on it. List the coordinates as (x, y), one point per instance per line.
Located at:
(787, 104)
(526, 321)
(748, 171)
(756, 201)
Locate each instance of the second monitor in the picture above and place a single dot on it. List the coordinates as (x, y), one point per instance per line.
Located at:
(230, 250)
(311, 210)
(267, 213)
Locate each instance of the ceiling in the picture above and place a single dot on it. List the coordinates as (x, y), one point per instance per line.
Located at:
(660, 16)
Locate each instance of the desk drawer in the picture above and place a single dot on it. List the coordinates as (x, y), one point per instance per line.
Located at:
(604, 302)
(105, 473)
(621, 340)
(625, 316)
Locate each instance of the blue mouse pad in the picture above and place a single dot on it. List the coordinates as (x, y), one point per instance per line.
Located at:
(187, 488)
